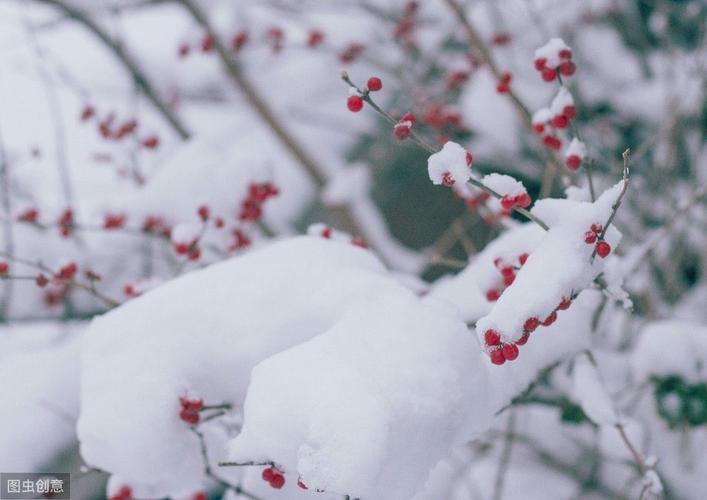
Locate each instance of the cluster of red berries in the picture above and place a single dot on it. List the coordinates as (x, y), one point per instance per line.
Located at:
(562, 120)
(206, 44)
(549, 71)
(508, 276)
(521, 200)
(110, 130)
(190, 249)
(355, 101)
(240, 240)
(66, 272)
(190, 409)
(351, 52)
(31, 215)
(455, 79)
(114, 221)
(123, 493)
(274, 477)
(403, 128)
(156, 225)
(500, 352)
(504, 84)
(594, 237)
(66, 223)
(474, 201)
(258, 193)
(404, 30)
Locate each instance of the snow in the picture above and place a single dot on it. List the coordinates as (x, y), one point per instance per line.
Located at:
(505, 185)
(561, 101)
(451, 160)
(551, 52)
(562, 262)
(576, 148)
(589, 390)
(672, 347)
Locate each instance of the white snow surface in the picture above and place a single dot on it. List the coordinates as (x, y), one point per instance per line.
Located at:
(450, 159)
(576, 148)
(505, 185)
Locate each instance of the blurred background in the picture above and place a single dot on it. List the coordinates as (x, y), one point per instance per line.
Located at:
(121, 120)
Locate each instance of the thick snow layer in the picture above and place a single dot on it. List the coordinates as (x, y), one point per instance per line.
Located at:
(505, 185)
(551, 52)
(672, 347)
(451, 162)
(200, 335)
(341, 408)
(561, 262)
(561, 101)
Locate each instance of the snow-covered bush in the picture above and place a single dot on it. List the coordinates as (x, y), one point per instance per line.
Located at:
(366, 250)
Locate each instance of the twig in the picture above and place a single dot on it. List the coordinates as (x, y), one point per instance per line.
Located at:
(615, 207)
(505, 457)
(210, 473)
(421, 143)
(137, 74)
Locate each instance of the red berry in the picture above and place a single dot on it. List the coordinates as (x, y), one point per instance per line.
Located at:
(87, 113)
(182, 248)
(540, 63)
(507, 271)
(549, 74)
(596, 228)
(523, 258)
(200, 495)
(374, 84)
(4, 267)
(539, 128)
(573, 162)
(268, 474)
(239, 40)
(151, 142)
(354, 103)
(469, 159)
(560, 121)
(552, 142)
(564, 304)
(567, 68)
(113, 221)
(508, 202)
(278, 481)
(189, 416)
(492, 295)
(492, 337)
(301, 484)
(523, 340)
(523, 200)
(590, 238)
(207, 43)
(603, 249)
(67, 272)
(497, 357)
(195, 254)
(503, 88)
(565, 54)
(510, 351)
(550, 319)
(508, 280)
(570, 112)
(41, 281)
(29, 215)
(203, 212)
(315, 38)
(402, 130)
(408, 117)
(447, 179)
(531, 324)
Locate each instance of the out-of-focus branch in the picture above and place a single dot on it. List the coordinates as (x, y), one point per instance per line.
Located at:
(9, 246)
(261, 107)
(126, 60)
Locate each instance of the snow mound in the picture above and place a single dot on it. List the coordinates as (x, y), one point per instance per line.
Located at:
(450, 165)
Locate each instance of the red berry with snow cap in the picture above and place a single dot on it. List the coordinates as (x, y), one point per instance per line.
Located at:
(278, 481)
(523, 258)
(540, 63)
(596, 228)
(492, 337)
(590, 238)
(564, 304)
(550, 319)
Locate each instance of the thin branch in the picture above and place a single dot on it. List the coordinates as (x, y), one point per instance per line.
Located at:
(261, 107)
(130, 64)
(505, 457)
(617, 204)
